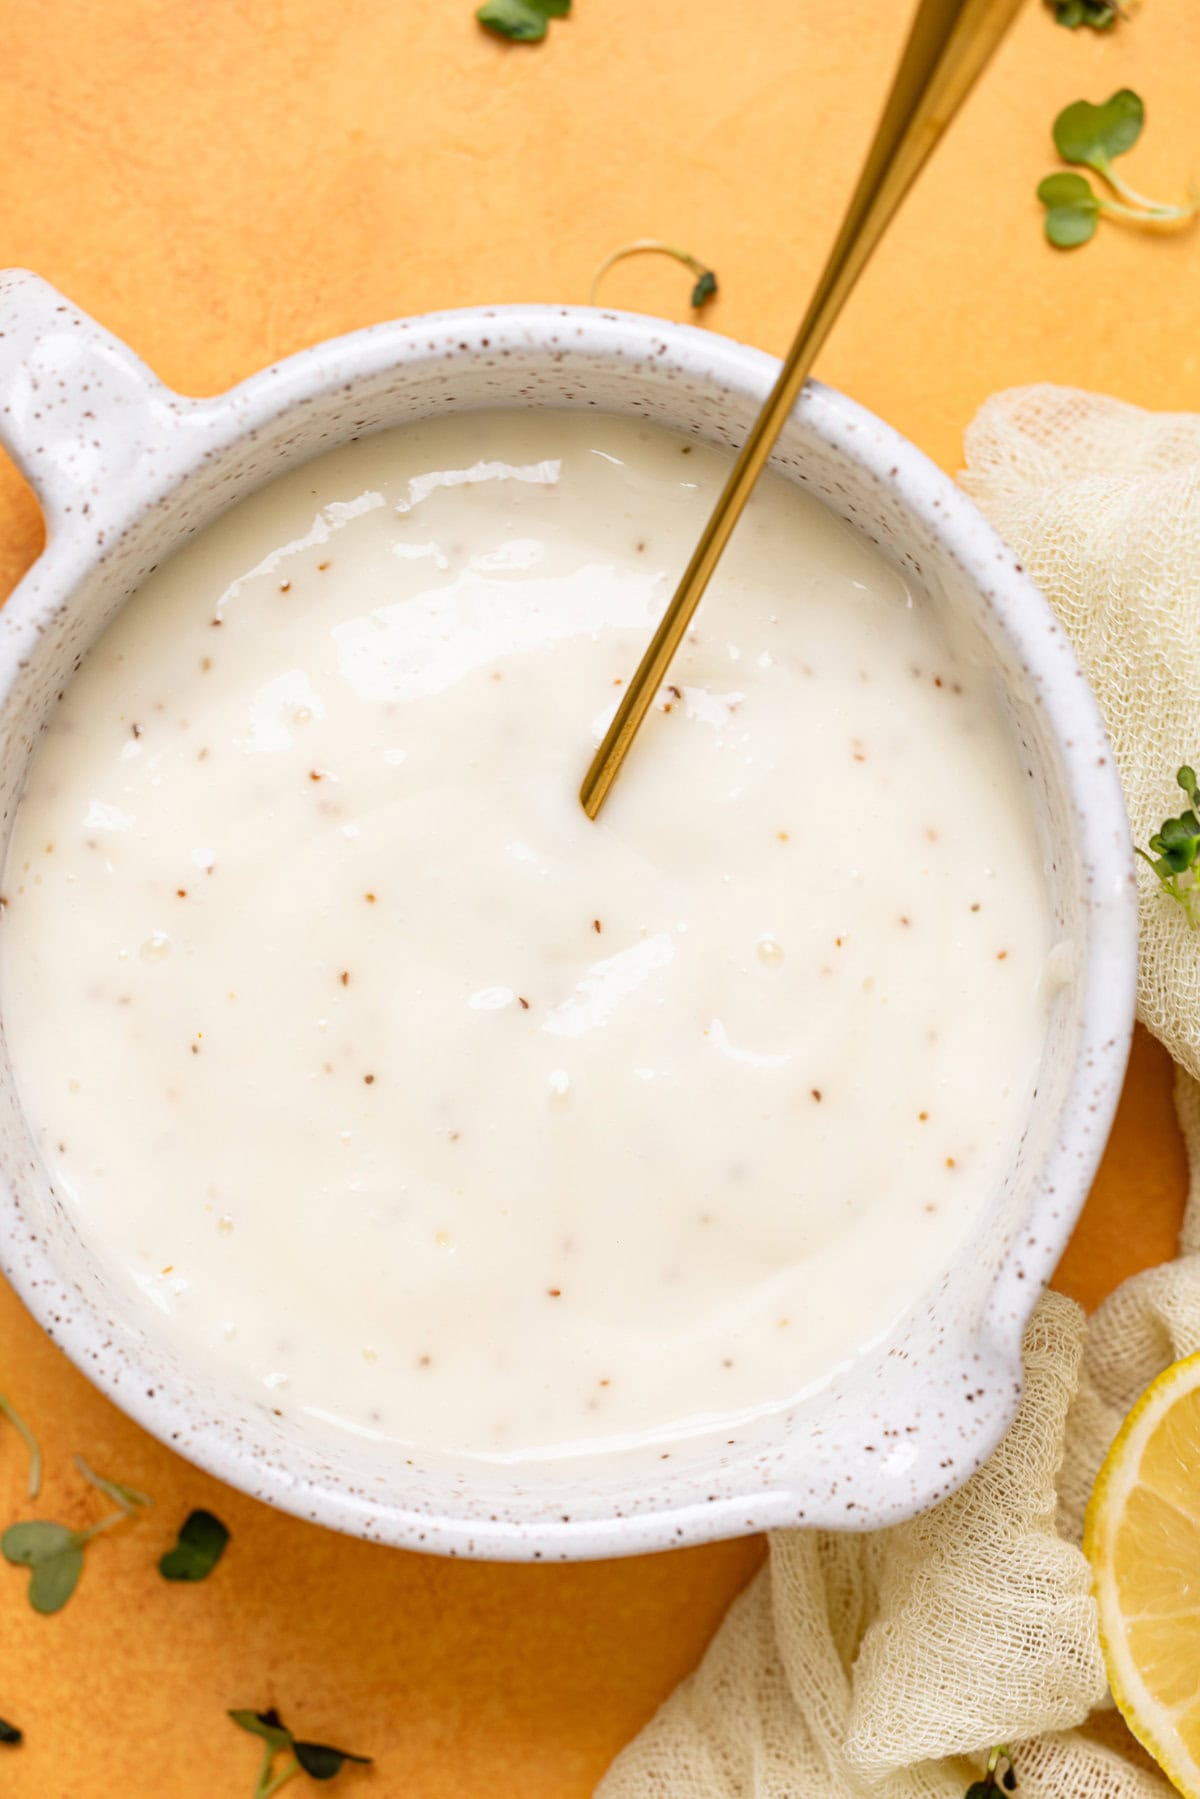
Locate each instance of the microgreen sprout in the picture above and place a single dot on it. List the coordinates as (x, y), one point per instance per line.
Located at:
(9, 1411)
(201, 1544)
(318, 1760)
(521, 21)
(1101, 15)
(1090, 136)
(996, 1779)
(1174, 850)
(54, 1553)
(705, 285)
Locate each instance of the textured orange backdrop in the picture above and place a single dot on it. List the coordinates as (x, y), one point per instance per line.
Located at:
(224, 183)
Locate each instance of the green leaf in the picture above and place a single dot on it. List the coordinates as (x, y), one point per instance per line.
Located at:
(1186, 778)
(201, 1544)
(54, 1556)
(322, 1762)
(1069, 226)
(704, 289)
(979, 1789)
(521, 21)
(1101, 15)
(28, 1544)
(268, 1725)
(1179, 831)
(1179, 842)
(1072, 209)
(52, 1583)
(9, 1732)
(1093, 135)
(1065, 189)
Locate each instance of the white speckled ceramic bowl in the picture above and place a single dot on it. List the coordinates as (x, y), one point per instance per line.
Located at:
(127, 471)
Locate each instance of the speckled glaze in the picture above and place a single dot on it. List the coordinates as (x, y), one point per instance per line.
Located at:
(126, 471)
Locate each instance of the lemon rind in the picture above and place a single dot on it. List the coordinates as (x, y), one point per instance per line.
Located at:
(1117, 1478)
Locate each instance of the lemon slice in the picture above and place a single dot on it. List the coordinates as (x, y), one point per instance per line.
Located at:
(1142, 1538)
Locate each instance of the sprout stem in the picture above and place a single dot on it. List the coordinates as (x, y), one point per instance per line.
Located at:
(1162, 218)
(128, 1498)
(286, 1773)
(31, 1443)
(1159, 208)
(645, 246)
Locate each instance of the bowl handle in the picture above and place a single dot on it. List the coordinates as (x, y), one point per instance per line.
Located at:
(85, 421)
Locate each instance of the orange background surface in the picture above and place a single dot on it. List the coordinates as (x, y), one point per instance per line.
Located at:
(223, 184)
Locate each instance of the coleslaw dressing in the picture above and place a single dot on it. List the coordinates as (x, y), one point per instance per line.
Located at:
(414, 1103)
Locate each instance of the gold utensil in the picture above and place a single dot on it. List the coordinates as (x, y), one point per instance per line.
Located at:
(950, 44)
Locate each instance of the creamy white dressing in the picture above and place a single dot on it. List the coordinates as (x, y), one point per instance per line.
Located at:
(413, 1102)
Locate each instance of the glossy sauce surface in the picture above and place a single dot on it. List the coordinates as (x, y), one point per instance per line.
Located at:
(415, 1103)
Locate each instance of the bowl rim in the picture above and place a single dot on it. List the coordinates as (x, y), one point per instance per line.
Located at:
(214, 425)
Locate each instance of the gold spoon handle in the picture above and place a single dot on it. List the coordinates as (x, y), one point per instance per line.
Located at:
(949, 45)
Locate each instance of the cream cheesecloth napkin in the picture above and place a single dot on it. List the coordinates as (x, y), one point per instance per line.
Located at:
(885, 1666)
